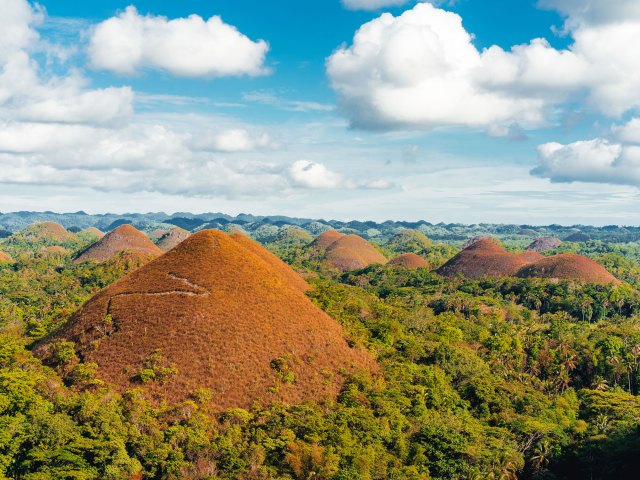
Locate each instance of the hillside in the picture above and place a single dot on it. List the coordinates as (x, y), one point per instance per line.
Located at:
(277, 265)
(124, 238)
(409, 260)
(409, 241)
(325, 239)
(543, 244)
(568, 266)
(46, 233)
(483, 258)
(211, 313)
(172, 238)
(5, 258)
(351, 252)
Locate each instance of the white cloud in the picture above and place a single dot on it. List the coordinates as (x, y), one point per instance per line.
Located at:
(629, 132)
(267, 98)
(234, 140)
(372, 4)
(185, 46)
(593, 161)
(421, 70)
(308, 174)
(31, 94)
(581, 12)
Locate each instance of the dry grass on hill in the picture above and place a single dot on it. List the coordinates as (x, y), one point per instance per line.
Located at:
(568, 266)
(46, 232)
(213, 313)
(5, 258)
(325, 239)
(543, 244)
(94, 232)
(125, 238)
(483, 258)
(172, 238)
(531, 256)
(409, 260)
(352, 252)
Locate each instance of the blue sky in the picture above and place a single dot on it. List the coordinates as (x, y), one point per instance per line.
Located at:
(467, 111)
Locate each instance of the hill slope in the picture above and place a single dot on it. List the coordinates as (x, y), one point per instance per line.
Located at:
(483, 258)
(409, 260)
(213, 314)
(325, 239)
(172, 238)
(45, 232)
(124, 238)
(568, 266)
(351, 252)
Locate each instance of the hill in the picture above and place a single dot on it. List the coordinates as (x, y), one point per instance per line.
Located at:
(325, 239)
(93, 232)
(277, 265)
(351, 252)
(577, 237)
(543, 244)
(409, 260)
(409, 241)
(212, 313)
(124, 238)
(5, 258)
(172, 238)
(531, 256)
(568, 266)
(483, 258)
(48, 233)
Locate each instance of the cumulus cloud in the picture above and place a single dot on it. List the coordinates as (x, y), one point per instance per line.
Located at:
(308, 174)
(422, 70)
(188, 47)
(30, 94)
(581, 12)
(595, 161)
(234, 140)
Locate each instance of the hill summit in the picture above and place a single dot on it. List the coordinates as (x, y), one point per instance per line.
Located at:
(124, 238)
(409, 260)
(483, 258)
(45, 232)
(568, 266)
(172, 238)
(212, 313)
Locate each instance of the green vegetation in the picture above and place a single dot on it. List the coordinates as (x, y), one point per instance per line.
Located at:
(488, 379)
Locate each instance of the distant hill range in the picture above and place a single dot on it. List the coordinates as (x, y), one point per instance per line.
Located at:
(266, 228)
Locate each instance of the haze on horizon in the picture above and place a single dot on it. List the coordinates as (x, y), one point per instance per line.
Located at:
(453, 111)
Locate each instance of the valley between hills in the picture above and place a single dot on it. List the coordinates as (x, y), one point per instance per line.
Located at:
(218, 347)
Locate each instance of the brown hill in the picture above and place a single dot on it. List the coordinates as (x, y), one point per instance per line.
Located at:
(54, 251)
(125, 238)
(409, 260)
(568, 266)
(325, 239)
(351, 252)
(531, 256)
(5, 258)
(293, 278)
(543, 244)
(93, 232)
(484, 258)
(46, 232)
(212, 314)
(578, 237)
(172, 238)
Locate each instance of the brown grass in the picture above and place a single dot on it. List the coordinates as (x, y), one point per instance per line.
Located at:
(351, 252)
(5, 258)
(54, 251)
(226, 318)
(531, 256)
(409, 260)
(325, 239)
(484, 258)
(172, 238)
(568, 266)
(125, 238)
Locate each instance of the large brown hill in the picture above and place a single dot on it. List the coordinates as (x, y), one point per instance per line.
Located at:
(291, 276)
(484, 258)
(126, 239)
(542, 244)
(325, 239)
(409, 260)
(351, 252)
(172, 238)
(212, 314)
(568, 266)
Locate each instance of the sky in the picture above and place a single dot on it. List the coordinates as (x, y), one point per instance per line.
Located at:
(465, 111)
